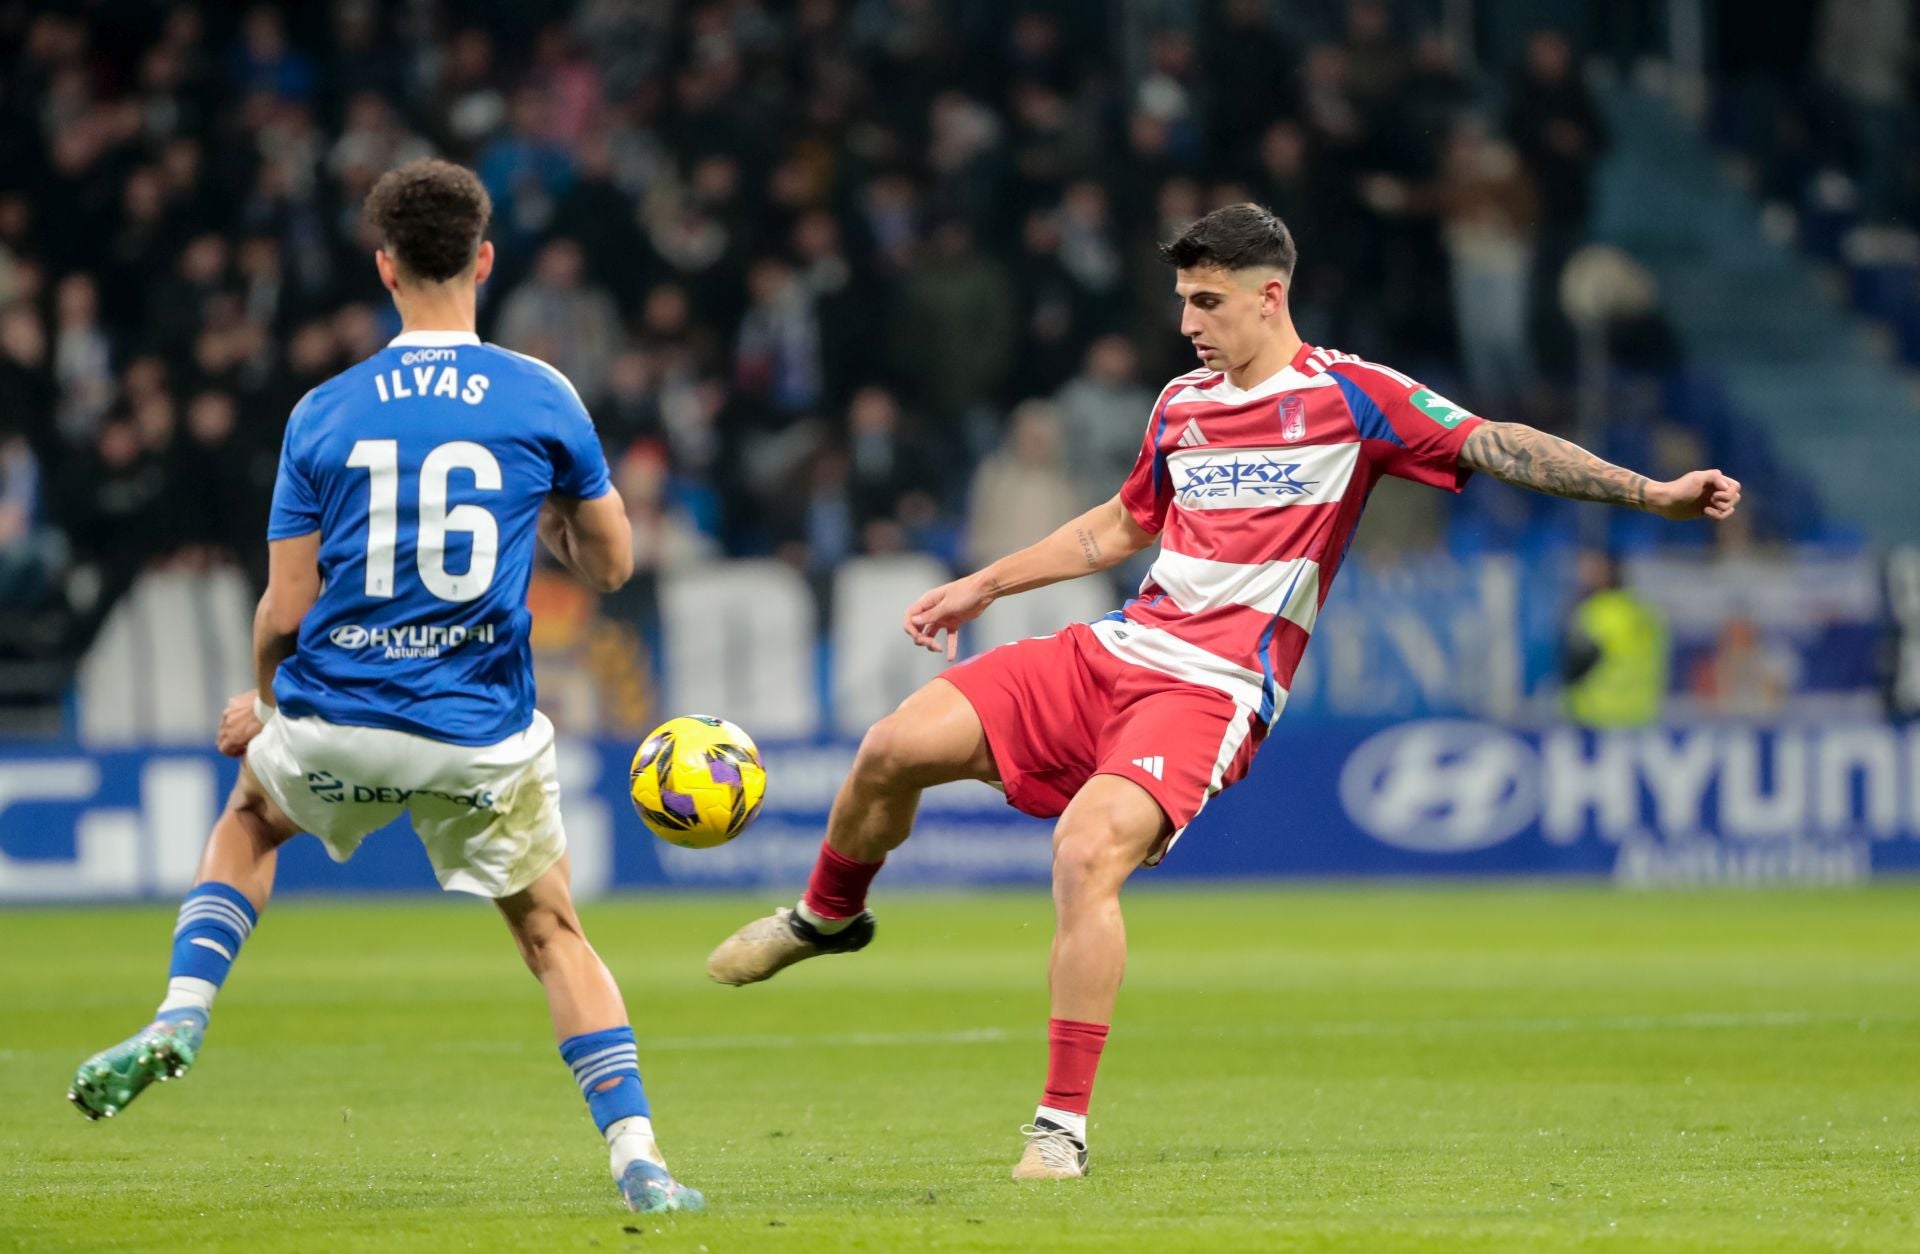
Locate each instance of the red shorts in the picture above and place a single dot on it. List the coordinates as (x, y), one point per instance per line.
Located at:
(1060, 709)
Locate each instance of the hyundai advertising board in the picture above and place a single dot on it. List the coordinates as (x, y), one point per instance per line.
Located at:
(1818, 803)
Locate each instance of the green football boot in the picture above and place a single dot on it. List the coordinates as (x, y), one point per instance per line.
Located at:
(650, 1190)
(165, 1048)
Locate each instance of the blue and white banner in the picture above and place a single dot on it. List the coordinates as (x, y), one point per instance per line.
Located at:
(1700, 804)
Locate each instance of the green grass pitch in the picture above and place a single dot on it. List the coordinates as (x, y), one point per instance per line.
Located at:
(1462, 1068)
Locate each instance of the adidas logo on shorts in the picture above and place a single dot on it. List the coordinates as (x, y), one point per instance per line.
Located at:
(1152, 766)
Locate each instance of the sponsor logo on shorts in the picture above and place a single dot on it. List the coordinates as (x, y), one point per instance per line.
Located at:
(331, 788)
(367, 794)
(1155, 766)
(411, 640)
(325, 785)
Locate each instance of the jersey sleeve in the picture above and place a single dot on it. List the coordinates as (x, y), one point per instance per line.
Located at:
(579, 463)
(1407, 430)
(1148, 491)
(296, 498)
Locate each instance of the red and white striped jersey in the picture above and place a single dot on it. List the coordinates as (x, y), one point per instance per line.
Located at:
(1255, 495)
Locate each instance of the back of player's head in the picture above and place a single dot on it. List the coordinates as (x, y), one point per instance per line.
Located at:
(1233, 237)
(431, 215)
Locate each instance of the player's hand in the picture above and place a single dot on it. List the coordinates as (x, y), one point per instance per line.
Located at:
(238, 725)
(945, 609)
(1701, 494)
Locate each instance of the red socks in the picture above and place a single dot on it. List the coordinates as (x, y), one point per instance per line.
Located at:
(837, 889)
(1073, 1055)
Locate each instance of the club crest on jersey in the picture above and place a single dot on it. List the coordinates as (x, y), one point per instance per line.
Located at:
(1293, 417)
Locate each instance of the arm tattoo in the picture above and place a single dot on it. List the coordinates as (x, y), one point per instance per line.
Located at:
(1515, 453)
(1089, 547)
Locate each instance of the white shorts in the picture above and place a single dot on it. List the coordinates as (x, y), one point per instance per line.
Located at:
(489, 815)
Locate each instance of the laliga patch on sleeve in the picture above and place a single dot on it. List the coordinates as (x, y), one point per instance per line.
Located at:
(1439, 408)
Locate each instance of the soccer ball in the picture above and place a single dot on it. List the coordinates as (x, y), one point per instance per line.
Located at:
(697, 781)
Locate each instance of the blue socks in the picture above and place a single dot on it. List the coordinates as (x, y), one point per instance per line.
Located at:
(606, 1065)
(215, 920)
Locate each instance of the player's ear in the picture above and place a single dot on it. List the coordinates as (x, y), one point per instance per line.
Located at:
(1273, 297)
(483, 261)
(389, 275)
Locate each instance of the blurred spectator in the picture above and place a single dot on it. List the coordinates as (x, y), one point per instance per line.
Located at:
(1102, 415)
(1865, 57)
(28, 391)
(1614, 655)
(526, 173)
(1022, 491)
(1745, 674)
(565, 321)
(1558, 129)
(1488, 207)
(29, 552)
(778, 355)
(82, 358)
(263, 61)
(893, 479)
(954, 337)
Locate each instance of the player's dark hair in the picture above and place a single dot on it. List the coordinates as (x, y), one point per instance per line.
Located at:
(1233, 237)
(430, 215)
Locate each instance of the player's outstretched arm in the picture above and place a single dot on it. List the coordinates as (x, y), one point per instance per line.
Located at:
(1515, 453)
(1103, 537)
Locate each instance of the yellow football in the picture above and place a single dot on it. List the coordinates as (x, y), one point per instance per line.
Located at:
(697, 781)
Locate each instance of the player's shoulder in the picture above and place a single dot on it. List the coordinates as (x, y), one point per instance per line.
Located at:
(327, 398)
(531, 372)
(1324, 361)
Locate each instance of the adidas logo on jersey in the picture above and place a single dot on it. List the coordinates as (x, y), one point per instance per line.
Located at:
(1192, 436)
(1153, 766)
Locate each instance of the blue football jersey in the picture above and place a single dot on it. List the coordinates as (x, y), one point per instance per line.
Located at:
(423, 469)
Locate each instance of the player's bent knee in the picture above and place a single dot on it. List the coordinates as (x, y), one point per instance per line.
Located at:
(889, 755)
(1089, 857)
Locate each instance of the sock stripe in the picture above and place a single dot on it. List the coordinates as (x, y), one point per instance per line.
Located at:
(210, 911)
(219, 903)
(629, 1066)
(586, 1060)
(619, 1058)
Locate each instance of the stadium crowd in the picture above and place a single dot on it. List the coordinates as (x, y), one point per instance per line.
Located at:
(823, 272)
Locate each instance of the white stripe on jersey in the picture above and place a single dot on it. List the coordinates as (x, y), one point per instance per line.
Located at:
(1165, 652)
(1232, 477)
(1286, 379)
(1388, 371)
(1290, 589)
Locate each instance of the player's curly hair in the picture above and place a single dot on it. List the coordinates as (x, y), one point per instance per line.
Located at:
(1233, 237)
(431, 215)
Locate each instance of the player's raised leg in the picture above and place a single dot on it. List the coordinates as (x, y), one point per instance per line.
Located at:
(1109, 829)
(933, 738)
(219, 912)
(596, 1041)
